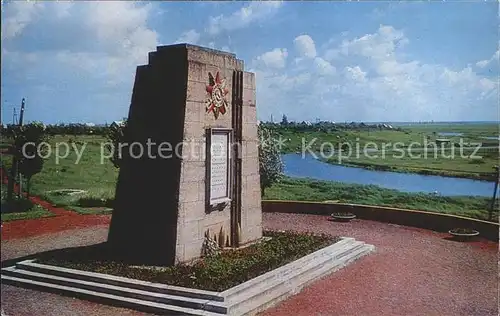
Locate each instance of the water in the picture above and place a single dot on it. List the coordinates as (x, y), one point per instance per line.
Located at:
(309, 167)
(436, 123)
(492, 137)
(450, 134)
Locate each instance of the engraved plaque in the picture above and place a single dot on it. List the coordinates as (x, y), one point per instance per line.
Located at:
(219, 190)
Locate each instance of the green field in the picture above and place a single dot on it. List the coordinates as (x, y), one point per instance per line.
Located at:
(89, 174)
(444, 163)
(460, 165)
(20, 208)
(98, 179)
(312, 190)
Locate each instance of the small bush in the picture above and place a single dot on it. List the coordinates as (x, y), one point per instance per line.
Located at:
(477, 162)
(17, 206)
(95, 202)
(214, 273)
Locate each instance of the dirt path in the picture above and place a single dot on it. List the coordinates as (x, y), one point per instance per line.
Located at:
(64, 220)
(413, 272)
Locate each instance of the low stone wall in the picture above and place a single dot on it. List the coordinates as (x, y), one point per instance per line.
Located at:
(428, 220)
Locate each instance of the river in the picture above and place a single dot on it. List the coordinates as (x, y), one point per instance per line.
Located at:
(308, 167)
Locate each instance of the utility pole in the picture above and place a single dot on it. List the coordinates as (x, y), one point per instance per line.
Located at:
(14, 117)
(14, 169)
(21, 116)
(497, 179)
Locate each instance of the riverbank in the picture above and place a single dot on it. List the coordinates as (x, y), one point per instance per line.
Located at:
(59, 179)
(449, 161)
(313, 190)
(423, 170)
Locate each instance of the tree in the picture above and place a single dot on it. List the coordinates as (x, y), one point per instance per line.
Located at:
(29, 167)
(270, 163)
(284, 120)
(116, 136)
(27, 149)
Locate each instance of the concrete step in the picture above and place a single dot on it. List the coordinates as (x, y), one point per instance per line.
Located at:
(268, 277)
(295, 279)
(277, 276)
(247, 298)
(259, 301)
(30, 265)
(133, 303)
(167, 299)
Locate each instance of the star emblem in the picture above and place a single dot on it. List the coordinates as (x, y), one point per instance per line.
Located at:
(216, 101)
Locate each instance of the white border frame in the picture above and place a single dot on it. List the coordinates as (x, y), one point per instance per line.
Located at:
(226, 199)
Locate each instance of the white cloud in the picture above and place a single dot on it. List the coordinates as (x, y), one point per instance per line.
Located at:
(380, 45)
(62, 9)
(486, 62)
(323, 67)
(376, 83)
(253, 12)
(348, 78)
(355, 73)
(305, 46)
(122, 28)
(18, 15)
(275, 58)
(190, 37)
(123, 38)
(86, 55)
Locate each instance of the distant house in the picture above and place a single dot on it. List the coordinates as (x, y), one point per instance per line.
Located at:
(440, 141)
(117, 124)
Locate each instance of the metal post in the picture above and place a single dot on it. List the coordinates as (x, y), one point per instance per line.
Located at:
(14, 168)
(497, 179)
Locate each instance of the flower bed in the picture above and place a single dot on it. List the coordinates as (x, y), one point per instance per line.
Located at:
(215, 273)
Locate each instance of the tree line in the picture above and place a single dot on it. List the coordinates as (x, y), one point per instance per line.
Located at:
(29, 162)
(74, 129)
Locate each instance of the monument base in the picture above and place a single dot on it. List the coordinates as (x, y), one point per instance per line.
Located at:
(201, 103)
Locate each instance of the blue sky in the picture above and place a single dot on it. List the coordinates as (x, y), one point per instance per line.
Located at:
(338, 61)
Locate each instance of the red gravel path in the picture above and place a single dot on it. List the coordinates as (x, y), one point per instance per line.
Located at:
(64, 220)
(34, 227)
(413, 272)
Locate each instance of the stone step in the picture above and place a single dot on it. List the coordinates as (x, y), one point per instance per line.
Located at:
(30, 265)
(259, 301)
(292, 268)
(133, 303)
(247, 298)
(346, 243)
(296, 278)
(167, 299)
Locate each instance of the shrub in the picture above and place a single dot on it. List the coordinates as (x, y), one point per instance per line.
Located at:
(116, 135)
(270, 163)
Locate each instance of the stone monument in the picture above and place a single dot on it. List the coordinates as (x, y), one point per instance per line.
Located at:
(190, 165)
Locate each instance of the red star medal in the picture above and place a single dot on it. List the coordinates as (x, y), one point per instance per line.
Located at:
(216, 101)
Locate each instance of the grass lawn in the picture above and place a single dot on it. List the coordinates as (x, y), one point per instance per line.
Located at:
(454, 167)
(21, 209)
(312, 190)
(98, 179)
(447, 164)
(35, 212)
(409, 134)
(216, 273)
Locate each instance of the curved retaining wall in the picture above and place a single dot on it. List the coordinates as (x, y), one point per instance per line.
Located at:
(428, 220)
